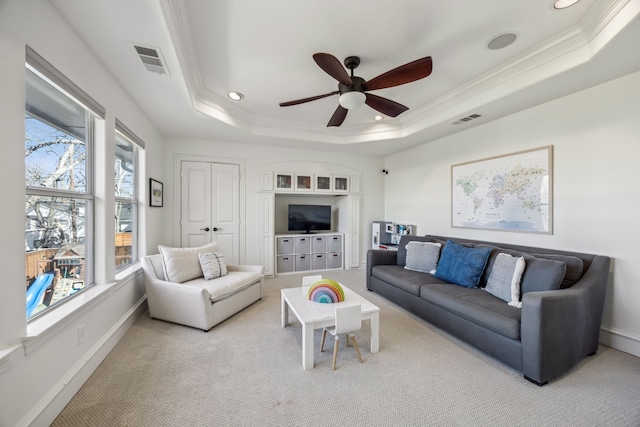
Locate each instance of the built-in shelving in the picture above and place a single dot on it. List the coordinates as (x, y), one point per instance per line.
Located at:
(309, 252)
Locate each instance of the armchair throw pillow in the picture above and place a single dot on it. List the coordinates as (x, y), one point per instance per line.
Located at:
(213, 265)
(182, 264)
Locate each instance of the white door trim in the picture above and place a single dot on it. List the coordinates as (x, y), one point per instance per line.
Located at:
(177, 195)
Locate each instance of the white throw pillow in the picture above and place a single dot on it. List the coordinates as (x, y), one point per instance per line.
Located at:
(183, 264)
(422, 256)
(504, 280)
(213, 265)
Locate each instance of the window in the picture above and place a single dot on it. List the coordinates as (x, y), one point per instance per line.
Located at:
(59, 195)
(126, 200)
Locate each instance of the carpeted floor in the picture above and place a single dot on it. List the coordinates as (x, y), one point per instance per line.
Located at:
(247, 371)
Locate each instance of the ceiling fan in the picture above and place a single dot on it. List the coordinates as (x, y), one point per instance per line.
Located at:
(352, 88)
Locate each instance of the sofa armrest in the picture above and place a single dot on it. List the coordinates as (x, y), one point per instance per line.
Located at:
(179, 303)
(561, 327)
(379, 257)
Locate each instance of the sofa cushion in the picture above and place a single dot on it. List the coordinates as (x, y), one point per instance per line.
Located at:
(422, 256)
(213, 265)
(539, 275)
(575, 268)
(476, 305)
(461, 265)
(407, 280)
(225, 286)
(182, 264)
(504, 280)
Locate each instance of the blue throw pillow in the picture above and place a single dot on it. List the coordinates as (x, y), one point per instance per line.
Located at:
(461, 265)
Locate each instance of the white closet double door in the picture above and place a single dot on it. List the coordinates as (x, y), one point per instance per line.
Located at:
(210, 206)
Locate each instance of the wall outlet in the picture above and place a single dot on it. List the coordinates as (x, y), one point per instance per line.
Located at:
(80, 334)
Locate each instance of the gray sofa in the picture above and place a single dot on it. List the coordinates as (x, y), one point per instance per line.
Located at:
(544, 339)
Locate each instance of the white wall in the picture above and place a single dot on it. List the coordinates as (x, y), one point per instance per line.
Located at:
(255, 158)
(595, 136)
(38, 379)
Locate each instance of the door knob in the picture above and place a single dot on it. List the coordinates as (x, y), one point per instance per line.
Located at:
(205, 229)
(217, 229)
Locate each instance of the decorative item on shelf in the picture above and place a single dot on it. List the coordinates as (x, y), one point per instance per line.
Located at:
(326, 291)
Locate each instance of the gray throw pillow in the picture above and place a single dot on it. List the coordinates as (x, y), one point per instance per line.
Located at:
(422, 256)
(401, 256)
(575, 268)
(505, 277)
(540, 274)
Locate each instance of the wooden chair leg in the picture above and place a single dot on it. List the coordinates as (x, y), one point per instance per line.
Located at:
(324, 334)
(346, 337)
(335, 351)
(355, 344)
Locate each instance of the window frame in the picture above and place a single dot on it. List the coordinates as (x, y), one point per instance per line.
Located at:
(92, 111)
(137, 144)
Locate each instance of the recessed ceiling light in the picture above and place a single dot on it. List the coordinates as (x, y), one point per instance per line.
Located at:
(501, 41)
(561, 4)
(236, 96)
(378, 118)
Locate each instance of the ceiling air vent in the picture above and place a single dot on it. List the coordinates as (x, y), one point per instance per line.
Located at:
(152, 59)
(466, 119)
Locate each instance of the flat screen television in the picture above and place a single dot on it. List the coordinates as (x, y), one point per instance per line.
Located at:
(309, 218)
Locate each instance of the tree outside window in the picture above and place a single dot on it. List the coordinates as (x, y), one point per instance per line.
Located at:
(58, 194)
(126, 201)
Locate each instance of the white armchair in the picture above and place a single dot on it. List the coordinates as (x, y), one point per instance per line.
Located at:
(200, 303)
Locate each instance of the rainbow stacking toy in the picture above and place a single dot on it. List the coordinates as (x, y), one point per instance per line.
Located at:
(326, 291)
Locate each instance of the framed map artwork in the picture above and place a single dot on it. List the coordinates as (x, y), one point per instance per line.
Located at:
(508, 193)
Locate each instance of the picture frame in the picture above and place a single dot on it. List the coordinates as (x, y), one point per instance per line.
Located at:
(284, 181)
(511, 192)
(323, 183)
(341, 184)
(156, 193)
(303, 182)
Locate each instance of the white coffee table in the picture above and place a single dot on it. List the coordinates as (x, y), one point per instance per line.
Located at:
(314, 315)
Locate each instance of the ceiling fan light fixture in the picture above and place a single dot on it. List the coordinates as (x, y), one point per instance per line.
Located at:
(561, 4)
(236, 96)
(351, 100)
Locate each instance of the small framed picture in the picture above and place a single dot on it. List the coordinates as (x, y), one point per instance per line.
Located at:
(155, 193)
(323, 182)
(284, 181)
(340, 184)
(303, 182)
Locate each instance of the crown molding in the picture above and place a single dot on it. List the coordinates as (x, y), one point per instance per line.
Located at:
(569, 49)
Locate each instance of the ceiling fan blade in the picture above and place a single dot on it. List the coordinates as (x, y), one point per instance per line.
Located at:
(406, 73)
(303, 100)
(338, 116)
(385, 106)
(332, 66)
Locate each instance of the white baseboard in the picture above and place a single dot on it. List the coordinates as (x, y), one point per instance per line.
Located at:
(54, 402)
(620, 340)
